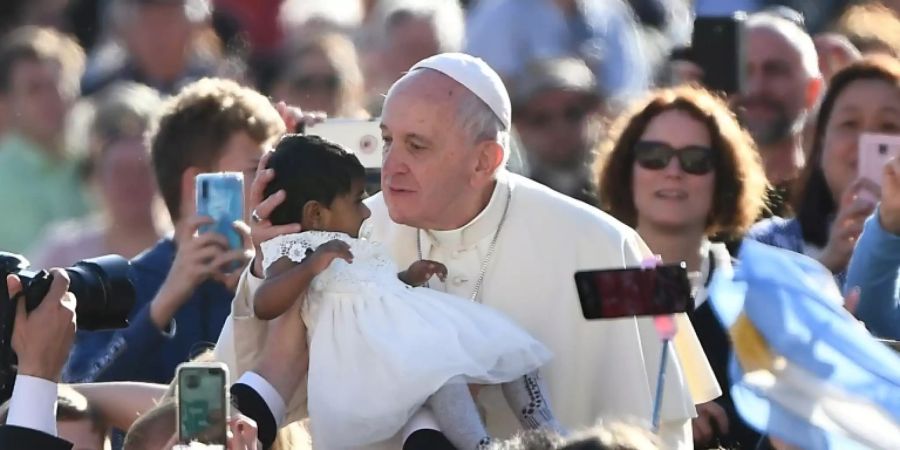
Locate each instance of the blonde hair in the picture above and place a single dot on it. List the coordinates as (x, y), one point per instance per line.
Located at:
(871, 27)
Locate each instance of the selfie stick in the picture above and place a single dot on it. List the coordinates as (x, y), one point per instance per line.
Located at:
(666, 328)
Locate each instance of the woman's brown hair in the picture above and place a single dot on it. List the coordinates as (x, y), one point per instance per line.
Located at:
(740, 186)
(812, 197)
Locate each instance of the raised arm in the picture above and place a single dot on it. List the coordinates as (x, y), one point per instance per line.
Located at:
(121, 403)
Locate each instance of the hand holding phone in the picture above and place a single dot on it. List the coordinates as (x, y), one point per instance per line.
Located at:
(610, 294)
(202, 392)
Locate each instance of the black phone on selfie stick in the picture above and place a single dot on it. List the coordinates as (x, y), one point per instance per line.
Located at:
(634, 292)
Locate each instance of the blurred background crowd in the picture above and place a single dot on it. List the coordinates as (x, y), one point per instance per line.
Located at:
(81, 82)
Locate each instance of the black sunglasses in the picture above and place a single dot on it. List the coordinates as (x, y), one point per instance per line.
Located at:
(571, 114)
(693, 159)
(316, 82)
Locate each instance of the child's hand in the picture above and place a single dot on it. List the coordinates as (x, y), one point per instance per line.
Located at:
(328, 252)
(421, 271)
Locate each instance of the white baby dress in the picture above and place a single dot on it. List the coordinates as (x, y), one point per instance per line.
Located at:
(379, 348)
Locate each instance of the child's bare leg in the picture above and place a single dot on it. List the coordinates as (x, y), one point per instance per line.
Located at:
(458, 417)
(526, 397)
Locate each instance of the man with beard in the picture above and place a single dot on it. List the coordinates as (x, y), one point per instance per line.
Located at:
(782, 83)
(557, 112)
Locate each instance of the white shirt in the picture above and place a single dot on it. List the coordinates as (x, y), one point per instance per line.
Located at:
(33, 404)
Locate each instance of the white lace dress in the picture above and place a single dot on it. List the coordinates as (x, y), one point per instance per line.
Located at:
(379, 348)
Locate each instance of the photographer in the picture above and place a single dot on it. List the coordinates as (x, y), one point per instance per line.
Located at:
(41, 340)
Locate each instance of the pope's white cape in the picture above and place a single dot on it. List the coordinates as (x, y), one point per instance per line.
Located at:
(600, 369)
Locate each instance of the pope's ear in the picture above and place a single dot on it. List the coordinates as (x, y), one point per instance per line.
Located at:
(490, 157)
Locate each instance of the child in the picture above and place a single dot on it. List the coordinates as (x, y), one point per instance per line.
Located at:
(380, 347)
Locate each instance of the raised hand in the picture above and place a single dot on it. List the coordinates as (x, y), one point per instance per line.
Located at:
(853, 210)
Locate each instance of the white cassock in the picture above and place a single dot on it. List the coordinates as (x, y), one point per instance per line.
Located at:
(600, 369)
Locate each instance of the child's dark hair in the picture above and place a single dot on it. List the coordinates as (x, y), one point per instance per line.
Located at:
(309, 168)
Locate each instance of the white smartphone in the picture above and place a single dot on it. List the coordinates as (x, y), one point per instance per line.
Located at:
(360, 136)
(874, 152)
(202, 392)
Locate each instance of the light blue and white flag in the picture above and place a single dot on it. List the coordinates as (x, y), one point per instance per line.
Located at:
(803, 369)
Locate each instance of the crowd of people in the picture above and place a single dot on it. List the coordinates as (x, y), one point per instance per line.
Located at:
(523, 141)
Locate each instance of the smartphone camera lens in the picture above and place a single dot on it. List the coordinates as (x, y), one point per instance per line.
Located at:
(193, 381)
(882, 149)
(204, 189)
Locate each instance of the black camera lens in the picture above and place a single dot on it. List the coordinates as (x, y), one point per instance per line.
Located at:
(104, 291)
(102, 287)
(193, 381)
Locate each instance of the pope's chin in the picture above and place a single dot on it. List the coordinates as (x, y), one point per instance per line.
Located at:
(402, 205)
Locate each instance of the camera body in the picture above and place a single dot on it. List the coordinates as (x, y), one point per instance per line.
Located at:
(102, 286)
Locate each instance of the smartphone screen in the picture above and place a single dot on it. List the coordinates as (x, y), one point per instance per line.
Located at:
(202, 403)
(608, 294)
(220, 196)
(875, 150)
(717, 47)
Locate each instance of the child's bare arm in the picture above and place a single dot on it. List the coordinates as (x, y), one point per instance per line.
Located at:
(286, 279)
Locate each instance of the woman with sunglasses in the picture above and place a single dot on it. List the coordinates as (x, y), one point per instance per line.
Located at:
(831, 201)
(679, 169)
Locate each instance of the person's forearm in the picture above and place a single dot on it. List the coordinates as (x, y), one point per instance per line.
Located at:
(279, 292)
(874, 269)
(122, 356)
(166, 303)
(121, 403)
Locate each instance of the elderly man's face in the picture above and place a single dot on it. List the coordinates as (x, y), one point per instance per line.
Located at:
(558, 128)
(776, 87)
(429, 161)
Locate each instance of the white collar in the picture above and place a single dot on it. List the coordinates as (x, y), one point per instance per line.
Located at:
(483, 226)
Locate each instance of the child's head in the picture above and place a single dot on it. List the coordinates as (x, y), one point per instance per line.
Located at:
(324, 183)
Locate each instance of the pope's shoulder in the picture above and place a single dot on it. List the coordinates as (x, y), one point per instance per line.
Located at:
(554, 211)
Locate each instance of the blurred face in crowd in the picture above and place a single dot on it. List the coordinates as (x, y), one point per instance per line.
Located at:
(429, 174)
(776, 90)
(864, 106)
(82, 434)
(158, 37)
(311, 84)
(127, 182)
(37, 103)
(558, 128)
(410, 39)
(670, 197)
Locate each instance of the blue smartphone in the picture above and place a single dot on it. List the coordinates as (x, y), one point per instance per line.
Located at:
(221, 197)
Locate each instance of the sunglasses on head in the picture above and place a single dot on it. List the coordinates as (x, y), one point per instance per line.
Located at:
(693, 159)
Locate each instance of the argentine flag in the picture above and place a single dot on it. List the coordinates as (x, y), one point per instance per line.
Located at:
(802, 369)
